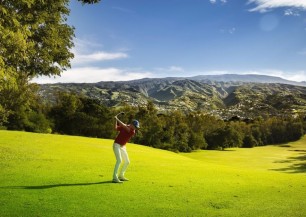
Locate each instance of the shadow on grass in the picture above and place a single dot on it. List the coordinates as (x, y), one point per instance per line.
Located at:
(298, 163)
(37, 187)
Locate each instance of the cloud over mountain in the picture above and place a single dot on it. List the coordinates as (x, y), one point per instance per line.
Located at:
(266, 5)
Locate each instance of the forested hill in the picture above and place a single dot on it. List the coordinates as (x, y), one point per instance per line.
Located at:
(228, 98)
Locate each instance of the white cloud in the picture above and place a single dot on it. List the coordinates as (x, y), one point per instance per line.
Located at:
(171, 69)
(292, 12)
(300, 76)
(96, 57)
(85, 52)
(266, 5)
(94, 74)
(84, 45)
(231, 30)
(85, 67)
(175, 69)
(215, 1)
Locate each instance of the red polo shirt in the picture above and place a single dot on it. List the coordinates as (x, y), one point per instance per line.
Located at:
(123, 137)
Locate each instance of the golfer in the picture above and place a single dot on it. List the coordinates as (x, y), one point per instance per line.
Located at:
(126, 132)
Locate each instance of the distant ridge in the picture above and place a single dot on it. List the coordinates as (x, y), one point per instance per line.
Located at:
(254, 78)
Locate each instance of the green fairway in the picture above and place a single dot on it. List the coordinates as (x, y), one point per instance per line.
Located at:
(53, 175)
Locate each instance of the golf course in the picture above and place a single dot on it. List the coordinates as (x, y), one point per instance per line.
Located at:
(56, 175)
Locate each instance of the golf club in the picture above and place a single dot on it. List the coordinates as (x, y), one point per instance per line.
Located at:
(121, 113)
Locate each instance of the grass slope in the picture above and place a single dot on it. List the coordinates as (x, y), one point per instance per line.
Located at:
(53, 175)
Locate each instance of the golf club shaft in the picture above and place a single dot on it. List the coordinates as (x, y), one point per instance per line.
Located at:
(120, 113)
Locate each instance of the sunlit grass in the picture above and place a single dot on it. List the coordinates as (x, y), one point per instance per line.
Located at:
(53, 175)
(290, 157)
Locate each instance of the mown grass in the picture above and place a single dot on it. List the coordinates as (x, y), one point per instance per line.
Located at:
(53, 175)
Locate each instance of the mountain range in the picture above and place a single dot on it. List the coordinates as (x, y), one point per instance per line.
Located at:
(246, 78)
(246, 96)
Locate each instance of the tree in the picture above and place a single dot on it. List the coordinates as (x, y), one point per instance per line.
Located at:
(152, 126)
(225, 137)
(257, 135)
(20, 102)
(37, 122)
(215, 140)
(249, 141)
(34, 40)
(7, 83)
(294, 130)
(180, 137)
(277, 130)
(99, 121)
(62, 113)
(77, 115)
(197, 141)
(197, 125)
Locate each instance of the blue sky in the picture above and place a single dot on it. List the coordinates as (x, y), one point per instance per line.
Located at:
(132, 39)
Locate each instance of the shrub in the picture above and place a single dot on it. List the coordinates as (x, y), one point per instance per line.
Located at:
(249, 142)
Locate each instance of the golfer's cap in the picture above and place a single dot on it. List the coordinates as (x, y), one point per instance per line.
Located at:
(136, 124)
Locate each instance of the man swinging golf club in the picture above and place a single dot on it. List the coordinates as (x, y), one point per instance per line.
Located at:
(126, 132)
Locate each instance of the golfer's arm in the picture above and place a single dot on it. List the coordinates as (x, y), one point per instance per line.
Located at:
(116, 124)
(122, 124)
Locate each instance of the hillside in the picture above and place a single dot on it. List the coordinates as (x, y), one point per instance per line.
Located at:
(53, 175)
(246, 78)
(225, 98)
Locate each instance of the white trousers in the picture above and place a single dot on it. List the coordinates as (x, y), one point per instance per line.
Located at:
(120, 154)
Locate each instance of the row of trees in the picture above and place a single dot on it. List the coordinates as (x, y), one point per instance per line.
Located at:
(175, 131)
